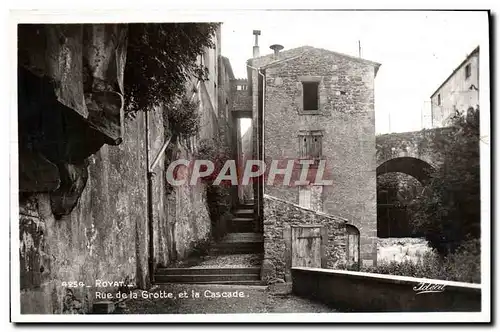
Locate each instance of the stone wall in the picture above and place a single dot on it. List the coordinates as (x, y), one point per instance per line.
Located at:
(226, 122)
(247, 149)
(278, 214)
(242, 100)
(104, 237)
(346, 118)
(370, 292)
(188, 221)
(180, 213)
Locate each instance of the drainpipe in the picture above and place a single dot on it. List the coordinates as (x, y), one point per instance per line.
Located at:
(262, 124)
(149, 203)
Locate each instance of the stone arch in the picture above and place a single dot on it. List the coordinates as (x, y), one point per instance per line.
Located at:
(415, 167)
(397, 215)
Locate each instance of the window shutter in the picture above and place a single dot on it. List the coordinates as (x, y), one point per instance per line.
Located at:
(311, 145)
(316, 146)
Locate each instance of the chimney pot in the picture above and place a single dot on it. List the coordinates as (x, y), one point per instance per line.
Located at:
(276, 48)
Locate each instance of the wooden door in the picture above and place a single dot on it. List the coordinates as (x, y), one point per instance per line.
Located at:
(306, 247)
(352, 246)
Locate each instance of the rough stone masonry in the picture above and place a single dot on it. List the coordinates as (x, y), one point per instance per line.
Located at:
(344, 121)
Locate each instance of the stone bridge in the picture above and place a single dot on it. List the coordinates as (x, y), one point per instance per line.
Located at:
(414, 153)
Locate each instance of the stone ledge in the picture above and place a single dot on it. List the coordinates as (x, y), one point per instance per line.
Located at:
(371, 292)
(392, 278)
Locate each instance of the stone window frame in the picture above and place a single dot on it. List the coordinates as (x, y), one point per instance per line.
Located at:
(309, 79)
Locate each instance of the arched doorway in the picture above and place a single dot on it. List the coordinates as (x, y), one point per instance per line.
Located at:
(352, 258)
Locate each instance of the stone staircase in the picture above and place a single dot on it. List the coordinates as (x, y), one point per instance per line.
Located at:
(244, 219)
(209, 275)
(241, 240)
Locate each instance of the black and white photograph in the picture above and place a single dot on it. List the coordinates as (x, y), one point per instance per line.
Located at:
(324, 165)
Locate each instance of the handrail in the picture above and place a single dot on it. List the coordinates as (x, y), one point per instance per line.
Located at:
(160, 153)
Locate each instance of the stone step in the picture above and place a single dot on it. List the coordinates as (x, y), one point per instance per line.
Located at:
(246, 206)
(247, 234)
(242, 237)
(237, 245)
(202, 278)
(236, 250)
(208, 271)
(240, 227)
(241, 219)
(244, 213)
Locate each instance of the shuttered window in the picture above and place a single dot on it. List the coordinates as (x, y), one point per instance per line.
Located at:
(311, 144)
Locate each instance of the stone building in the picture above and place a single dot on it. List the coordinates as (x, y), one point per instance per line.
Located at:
(316, 103)
(459, 92)
(83, 187)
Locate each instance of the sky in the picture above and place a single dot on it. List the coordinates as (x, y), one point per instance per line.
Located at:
(417, 50)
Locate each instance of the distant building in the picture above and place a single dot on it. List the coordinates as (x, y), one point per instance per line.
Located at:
(459, 92)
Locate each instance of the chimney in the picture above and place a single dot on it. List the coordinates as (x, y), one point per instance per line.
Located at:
(276, 48)
(256, 51)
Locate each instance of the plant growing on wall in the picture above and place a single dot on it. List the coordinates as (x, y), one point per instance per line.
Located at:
(219, 198)
(448, 210)
(183, 117)
(161, 58)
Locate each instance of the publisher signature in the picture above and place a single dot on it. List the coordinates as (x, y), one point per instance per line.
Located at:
(427, 287)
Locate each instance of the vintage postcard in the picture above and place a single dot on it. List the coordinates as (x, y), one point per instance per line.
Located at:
(329, 166)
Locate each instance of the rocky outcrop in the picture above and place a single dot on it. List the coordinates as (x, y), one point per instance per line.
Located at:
(70, 93)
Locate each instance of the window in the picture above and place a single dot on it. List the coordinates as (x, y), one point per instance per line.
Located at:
(439, 99)
(310, 96)
(467, 71)
(311, 144)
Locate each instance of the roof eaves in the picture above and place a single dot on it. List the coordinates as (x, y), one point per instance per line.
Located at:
(280, 61)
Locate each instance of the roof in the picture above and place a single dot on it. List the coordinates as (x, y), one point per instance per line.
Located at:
(290, 54)
(476, 50)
